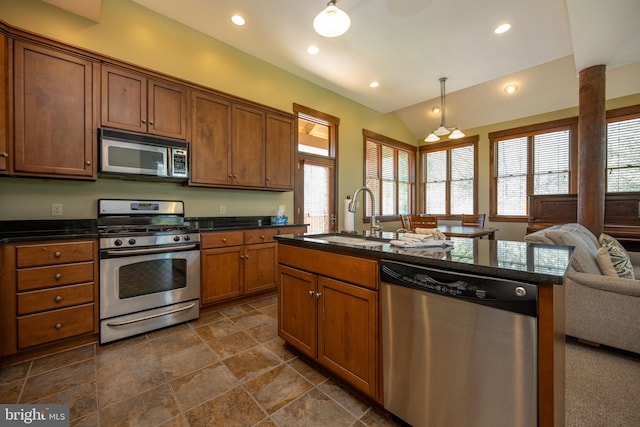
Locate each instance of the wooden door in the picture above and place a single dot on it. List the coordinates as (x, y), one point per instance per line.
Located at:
(221, 277)
(297, 309)
(248, 146)
(4, 103)
(279, 152)
(54, 112)
(260, 267)
(124, 99)
(210, 139)
(167, 109)
(347, 332)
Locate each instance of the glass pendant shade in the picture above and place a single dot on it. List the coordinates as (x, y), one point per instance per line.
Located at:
(441, 131)
(331, 22)
(432, 138)
(456, 134)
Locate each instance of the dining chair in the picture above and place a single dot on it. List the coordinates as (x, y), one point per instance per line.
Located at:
(473, 220)
(406, 225)
(419, 221)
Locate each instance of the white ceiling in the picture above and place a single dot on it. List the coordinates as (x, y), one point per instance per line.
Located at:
(407, 45)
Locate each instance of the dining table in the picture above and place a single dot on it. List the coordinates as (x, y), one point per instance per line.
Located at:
(468, 231)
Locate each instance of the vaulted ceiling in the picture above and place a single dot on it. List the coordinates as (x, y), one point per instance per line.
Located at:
(407, 45)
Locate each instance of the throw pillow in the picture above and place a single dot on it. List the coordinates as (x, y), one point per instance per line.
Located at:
(619, 256)
(604, 262)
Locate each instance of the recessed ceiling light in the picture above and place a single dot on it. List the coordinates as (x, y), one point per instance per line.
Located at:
(500, 29)
(511, 88)
(435, 110)
(374, 84)
(312, 50)
(238, 20)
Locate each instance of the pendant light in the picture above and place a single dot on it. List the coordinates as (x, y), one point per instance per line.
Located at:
(443, 129)
(331, 22)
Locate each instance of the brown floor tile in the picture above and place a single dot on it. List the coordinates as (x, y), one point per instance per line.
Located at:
(216, 329)
(170, 345)
(236, 310)
(58, 380)
(313, 409)
(206, 318)
(178, 421)
(276, 346)
(90, 420)
(252, 363)
(234, 408)
(187, 360)
(13, 373)
(264, 332)
(119, 345)
(150, 408)
(253, 319)
(232, 344)
(165, 332)
(348, 400)
(10, 392)
(312, 375)
(271, 311)
(65, 358)
(375, 418)
(81, 400)
(198, 387)
(264, 302)
(277, 387)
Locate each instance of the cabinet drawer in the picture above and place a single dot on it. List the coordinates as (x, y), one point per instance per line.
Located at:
(57, 275)
(50, 254)
(49, 299)
(221, 239)
(54, 325)
(259, 236)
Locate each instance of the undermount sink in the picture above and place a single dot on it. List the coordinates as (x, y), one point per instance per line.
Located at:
(356, 241)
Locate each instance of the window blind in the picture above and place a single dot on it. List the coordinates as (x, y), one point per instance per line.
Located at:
(551, 163)
(511, 177)
(623, 155)
(462, 172)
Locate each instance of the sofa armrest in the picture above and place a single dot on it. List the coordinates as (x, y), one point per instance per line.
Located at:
(616, 285)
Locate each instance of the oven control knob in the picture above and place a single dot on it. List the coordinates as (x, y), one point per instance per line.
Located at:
(132, 241)
(187, 238)
(176, 238)
(118, 242)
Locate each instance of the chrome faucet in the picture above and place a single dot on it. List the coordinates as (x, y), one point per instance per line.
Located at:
(375, 225)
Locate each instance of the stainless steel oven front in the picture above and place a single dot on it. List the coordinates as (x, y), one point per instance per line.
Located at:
(143, 289)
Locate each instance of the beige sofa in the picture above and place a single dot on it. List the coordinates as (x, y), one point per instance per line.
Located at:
(600, 308)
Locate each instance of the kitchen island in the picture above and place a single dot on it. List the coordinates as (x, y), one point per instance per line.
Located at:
(330, 308)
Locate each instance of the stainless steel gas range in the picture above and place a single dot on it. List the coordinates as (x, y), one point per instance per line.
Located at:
(149, 267)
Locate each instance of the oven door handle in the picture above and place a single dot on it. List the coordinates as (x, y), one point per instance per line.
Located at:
(151, 250)
(152, 316)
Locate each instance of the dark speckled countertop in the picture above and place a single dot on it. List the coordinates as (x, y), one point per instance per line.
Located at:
(528, 262)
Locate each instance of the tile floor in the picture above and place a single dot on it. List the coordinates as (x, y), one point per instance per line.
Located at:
(228, 368)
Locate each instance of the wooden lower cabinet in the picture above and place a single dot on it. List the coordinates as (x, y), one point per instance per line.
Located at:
(332, 321)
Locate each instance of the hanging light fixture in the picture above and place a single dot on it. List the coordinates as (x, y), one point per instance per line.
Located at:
(331, 22)
(443, 129)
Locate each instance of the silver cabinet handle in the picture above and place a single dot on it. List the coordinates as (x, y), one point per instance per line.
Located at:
(318, 295)
(4, 154)
(311, 293)
(144, 121)
(58, 298)
(88, 162)
(58, 276)
(58, 325)
(224, 240)
(57, 254)
(152, 316)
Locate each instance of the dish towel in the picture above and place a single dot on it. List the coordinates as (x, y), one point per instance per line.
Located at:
(422, 240)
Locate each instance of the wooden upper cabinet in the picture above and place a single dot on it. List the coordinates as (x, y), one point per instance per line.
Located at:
(55, 104)
(248, 146)
(280, 146)
(139, 103)
(210, 139)
(4, 102)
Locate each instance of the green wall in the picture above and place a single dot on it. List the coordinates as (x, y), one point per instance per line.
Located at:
(134, 34)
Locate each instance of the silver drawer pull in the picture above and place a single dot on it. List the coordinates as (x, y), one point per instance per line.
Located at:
(311, 293)
(152, 316)
(58, 276)
(58, 298)
(224, 240)
(262, 237)
(318, 295)
(57, 254)
(58, 325)
(4, 154)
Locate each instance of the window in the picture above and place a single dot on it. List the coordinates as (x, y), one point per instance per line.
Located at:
(448, 184)
(390, 173)
(536, 159)
(623, 149)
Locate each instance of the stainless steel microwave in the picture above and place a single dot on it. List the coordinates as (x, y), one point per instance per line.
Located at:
(131, 154)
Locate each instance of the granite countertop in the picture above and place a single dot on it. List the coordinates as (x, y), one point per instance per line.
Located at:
(528, 262)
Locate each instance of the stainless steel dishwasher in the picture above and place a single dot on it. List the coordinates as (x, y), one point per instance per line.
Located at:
(458, 350)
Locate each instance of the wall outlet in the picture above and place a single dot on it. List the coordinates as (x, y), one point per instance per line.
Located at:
(223, 209)
(56, 209)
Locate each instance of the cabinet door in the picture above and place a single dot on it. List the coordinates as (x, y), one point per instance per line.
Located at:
(347, 332)
(221, 274)
(167, 113)
(54, 113)
(124, 99)
(248, 146)
(4, 102)
(210, 139)
(260, 267)
(297, 309)
(280, 152)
